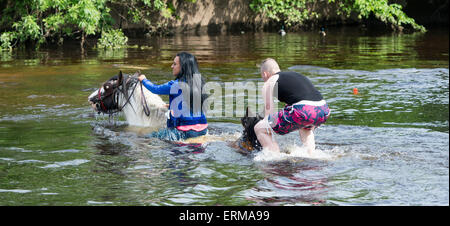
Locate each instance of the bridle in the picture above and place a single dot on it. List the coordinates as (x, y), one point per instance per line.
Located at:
(100, 100)
(116, 90)
(122, 85)
(144, 103)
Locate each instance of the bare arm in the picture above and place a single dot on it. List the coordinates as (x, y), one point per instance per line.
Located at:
(267, 93)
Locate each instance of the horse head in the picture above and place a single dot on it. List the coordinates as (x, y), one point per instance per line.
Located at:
(248, 140)
(121, 93)
(106, 98)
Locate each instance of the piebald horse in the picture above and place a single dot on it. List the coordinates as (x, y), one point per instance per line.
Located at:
(124, 93)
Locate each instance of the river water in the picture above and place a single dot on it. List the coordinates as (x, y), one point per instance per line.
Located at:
(388, 145)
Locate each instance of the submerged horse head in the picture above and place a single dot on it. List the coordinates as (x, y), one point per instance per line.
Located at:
(105, 99)
(124, 93)
(248, 141)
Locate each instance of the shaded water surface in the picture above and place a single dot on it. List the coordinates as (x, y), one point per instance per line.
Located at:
(388, 145)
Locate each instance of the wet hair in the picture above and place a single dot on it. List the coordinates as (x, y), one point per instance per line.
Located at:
(190, 74)
(249, 137)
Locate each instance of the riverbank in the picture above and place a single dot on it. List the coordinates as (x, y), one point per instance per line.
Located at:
(113, 22)
(236, 16)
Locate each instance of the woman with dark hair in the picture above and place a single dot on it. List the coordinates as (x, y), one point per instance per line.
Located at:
(186, 118)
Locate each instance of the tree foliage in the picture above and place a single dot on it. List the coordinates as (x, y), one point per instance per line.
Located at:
(294, 12)
(289, 12)
(142, 12)
(112, 39)
(388, 13)
(43, 21)
(37, 22)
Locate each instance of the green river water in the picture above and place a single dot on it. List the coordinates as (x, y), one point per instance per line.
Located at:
(389, 145)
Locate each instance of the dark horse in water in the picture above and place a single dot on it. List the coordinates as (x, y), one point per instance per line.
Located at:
(248, 142)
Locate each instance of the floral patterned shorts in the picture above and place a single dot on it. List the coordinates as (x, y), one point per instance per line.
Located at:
(299, 116)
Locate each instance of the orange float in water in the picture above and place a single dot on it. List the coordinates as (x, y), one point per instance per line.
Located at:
(355, 91)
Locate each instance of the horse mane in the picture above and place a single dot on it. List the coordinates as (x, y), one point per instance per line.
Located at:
(131, 97)
(249, 141)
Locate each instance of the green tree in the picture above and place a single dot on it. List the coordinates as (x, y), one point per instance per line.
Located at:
(388, 13)
(45, 20)
(112, 39)
(290, 12)
(143, 11)
(40, 21)
(36, 22)
(296, 12)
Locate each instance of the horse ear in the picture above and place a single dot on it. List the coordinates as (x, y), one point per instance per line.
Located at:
(120, 77)
(249, 113)
(259, 116)
(137, 73)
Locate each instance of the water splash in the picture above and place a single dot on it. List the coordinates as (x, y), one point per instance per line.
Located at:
(292, 152)
(301, 152)
(75, 162)
(267, 155)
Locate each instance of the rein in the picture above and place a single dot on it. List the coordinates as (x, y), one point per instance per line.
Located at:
(128, 100)
(116, 98)
(122, 88)
(144, 103)
(101, 101)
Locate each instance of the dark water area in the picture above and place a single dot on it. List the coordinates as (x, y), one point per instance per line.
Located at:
(388, 145)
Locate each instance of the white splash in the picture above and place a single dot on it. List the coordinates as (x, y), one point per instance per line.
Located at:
(268, 155)
(302, 152)
(291, 152)
(75, 162)
(15, 190)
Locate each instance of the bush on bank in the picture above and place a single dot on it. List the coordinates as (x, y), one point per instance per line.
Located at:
(37, 22)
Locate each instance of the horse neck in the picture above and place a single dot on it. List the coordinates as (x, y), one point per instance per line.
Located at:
(134, 110)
